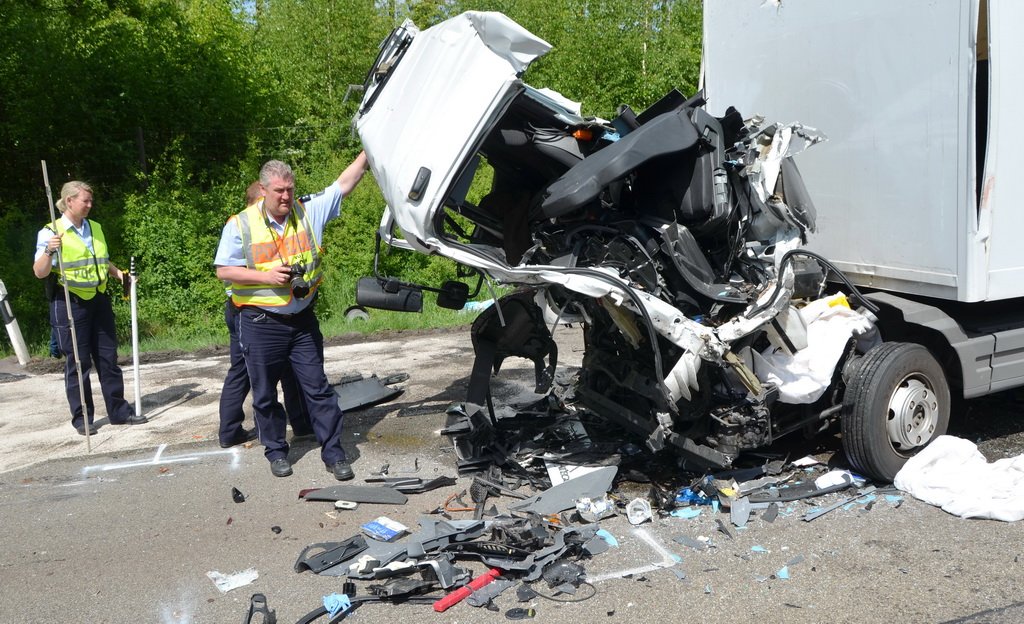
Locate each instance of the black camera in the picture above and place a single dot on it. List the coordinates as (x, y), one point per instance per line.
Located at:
(300, 287)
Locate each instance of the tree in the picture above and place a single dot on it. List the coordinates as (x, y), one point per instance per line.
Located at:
(610, 52)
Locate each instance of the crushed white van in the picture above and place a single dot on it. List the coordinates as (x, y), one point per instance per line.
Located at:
(682, 239)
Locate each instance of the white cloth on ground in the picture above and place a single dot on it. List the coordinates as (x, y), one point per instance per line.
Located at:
(951, 473)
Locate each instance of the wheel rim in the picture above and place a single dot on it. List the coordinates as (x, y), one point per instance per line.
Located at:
(913, 413)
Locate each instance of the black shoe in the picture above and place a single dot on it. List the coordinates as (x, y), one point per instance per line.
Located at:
(245, 435)
(280, 468)
(134, 419)
(81, 429)
(341, 469)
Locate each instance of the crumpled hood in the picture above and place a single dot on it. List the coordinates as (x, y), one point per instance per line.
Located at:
(437, 101)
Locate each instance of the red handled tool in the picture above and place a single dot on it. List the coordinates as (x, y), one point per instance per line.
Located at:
(463, 592)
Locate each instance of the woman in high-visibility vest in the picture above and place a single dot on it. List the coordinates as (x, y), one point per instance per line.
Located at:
(84, 270)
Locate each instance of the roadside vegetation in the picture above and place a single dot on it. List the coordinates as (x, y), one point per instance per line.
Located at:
(169, 107)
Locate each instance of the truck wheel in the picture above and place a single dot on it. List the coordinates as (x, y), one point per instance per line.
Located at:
(895, 404)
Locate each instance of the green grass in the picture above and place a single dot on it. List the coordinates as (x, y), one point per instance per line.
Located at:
(432, 317)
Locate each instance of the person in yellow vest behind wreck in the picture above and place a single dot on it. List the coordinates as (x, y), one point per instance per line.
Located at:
(86, 275)
(270, 253)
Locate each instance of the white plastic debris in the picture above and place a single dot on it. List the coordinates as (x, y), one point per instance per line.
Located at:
(227, 582)
(594, 509)
(805, 461)
(638, 511)
(560, 473)
(834, 478)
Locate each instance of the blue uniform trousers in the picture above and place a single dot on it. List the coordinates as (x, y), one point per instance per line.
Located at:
(236, 388)
(269, 343)
(97, 344)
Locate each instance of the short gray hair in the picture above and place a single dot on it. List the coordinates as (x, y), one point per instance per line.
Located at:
(71, 189)
(275, 169)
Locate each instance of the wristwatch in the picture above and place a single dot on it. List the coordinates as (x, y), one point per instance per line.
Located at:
(50, 252)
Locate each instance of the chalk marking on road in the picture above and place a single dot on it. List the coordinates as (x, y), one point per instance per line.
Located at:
(159, 459)
(668, 559)
(75, 483)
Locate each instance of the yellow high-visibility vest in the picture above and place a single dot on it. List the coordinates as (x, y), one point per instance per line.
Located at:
(84, 271)
(265, 249)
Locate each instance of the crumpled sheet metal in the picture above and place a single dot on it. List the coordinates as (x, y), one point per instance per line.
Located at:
(787, 140)
(564, 495)
(547, 555)
(432, 535)
(489, 592)
(359, 392)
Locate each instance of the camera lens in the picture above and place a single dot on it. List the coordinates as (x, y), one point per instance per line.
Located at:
(300, 287)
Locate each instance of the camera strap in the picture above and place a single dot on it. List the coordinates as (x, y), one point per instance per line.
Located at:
(278, 239)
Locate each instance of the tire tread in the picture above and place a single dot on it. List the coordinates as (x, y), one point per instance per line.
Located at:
(862, 440)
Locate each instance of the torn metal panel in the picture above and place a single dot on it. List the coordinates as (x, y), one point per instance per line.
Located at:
(489, 592)
(564, 495)
(413, 485)
(358, 494)
(596, 545)
(440, 569)
(319, 557)
(433, 535)
(560, 542)
(816, 513)
(358, 392)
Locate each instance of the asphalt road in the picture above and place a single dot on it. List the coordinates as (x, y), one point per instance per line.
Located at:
(130, 531)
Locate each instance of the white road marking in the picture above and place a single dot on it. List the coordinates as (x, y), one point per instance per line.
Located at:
(668, 559)
(159, 459)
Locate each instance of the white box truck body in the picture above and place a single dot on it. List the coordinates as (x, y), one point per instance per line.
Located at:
(915, 187)
(894, 85)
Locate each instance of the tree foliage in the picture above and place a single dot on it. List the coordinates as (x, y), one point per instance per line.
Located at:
(169, 107)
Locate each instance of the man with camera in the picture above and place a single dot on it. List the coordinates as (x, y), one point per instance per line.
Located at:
(270, 253)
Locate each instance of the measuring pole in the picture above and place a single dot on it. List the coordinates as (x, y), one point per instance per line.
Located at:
(135, 336)
(71, 318)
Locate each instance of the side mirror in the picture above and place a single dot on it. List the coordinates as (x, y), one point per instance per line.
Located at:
(391, 295)
(453, 295)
